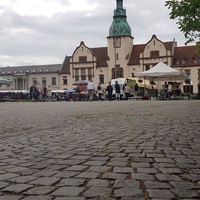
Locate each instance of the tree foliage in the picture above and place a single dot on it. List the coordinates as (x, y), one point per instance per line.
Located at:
(187, 12)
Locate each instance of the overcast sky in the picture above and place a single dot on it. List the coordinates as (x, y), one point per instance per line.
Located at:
(45, 31)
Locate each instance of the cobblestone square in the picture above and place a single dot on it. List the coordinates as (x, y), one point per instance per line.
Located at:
(100, 150)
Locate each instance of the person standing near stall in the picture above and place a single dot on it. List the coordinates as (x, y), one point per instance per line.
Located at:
(109, 89)
(44, 92)
(91, 90)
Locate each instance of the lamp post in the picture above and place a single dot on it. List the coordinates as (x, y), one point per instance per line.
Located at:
(115, 64)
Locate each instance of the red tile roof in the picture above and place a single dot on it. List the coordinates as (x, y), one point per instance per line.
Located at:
(188, 53)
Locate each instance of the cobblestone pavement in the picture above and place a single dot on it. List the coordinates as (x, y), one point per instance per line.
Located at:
(126, 150)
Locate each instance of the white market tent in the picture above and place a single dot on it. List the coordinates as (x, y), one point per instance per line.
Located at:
(159, 70)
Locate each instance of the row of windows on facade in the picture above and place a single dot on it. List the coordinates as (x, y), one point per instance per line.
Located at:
(44, 81)
(183, 61)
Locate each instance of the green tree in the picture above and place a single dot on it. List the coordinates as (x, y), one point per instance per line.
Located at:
(187, 12)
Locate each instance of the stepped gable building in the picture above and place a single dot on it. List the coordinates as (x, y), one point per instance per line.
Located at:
(121, 58)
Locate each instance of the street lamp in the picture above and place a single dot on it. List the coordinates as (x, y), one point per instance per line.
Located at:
(115, 63)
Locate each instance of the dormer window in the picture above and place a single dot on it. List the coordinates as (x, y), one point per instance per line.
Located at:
(154, 54)
(184, 60)
(82, 59)
(196, 60)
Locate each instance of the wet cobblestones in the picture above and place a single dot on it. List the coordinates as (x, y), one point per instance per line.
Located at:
(128, 150)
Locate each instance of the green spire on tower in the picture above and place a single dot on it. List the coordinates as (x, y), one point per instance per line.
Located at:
(120, 26)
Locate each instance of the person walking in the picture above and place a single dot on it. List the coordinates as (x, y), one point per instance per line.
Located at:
(117, 90)
(49, 93)
(44, 92)
(33, 92)
(91, 90)
(100, 92)
(109, 89)
(127, 91)
(136, 89)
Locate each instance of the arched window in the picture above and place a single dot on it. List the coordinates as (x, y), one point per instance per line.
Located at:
(119, 72)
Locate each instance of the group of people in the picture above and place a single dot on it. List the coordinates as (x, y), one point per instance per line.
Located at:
(109, 89)
(118, 94)
(45, 93)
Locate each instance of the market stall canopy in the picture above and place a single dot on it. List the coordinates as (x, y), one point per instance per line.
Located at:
(4, 81)
(160, 69)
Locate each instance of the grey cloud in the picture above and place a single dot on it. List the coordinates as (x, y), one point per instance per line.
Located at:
(60, 34)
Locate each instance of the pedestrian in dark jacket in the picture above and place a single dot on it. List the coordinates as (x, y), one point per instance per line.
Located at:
(136, 89)
(117, 90)
(109, 89)
(33, 92)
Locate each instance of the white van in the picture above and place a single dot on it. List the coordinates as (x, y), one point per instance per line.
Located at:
(122, 82)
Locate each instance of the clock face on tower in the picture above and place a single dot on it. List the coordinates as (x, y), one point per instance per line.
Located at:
(117, 42)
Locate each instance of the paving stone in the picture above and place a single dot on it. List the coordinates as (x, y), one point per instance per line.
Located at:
(126, 184)
(70, 198)
(139, 176)
(170, 170)
(98, 192)
(186, 193)
(99, 169)
(78, 168)
(167, 177)
(71, 182)
(10, 197)
(68, 191)
(7, 176)
(66, 174)
(22, 179)
(40, 190)
(46, 173)
(147, 170)
(17, 188)
(164, 160)
(116, 163)
(140, 165)
(111, 176)
(126, 192)
(156, 185)
(98, 183)
(160, 193)
(183, 184)
(38, 198)
(95, 163)
(88, 175)
(45, 181)
(3, 184)
(122, 170)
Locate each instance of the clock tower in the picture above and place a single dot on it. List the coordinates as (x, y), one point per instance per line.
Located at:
(119, 41)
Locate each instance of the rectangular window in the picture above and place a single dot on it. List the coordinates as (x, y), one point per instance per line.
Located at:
(44, 81)
(65, 80)
(53, 81)
(90, 72)
(199, 74)
(101, 78)
(82, 59)
(83, 74)
(147, 67)
(76, 74)
(34, 81)
(89, 78)
(154, 54)
(187, 72)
